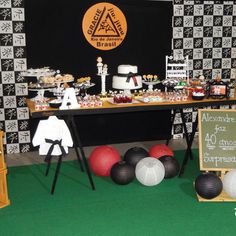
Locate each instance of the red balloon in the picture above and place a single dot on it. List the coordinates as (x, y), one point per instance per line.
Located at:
(160, 150)
(102, 158)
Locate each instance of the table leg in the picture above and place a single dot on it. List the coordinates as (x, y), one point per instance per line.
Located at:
(186, 134)
(79, 159)
(195, 124)
(75, 146)
(78, 143)
(172, 122)
(189, 139)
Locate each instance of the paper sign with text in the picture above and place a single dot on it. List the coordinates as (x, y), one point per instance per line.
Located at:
(217, 139)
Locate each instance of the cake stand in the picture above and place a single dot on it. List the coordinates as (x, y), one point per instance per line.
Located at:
(34, 84)
(40, 89)
(151, 84)
(103, 83)
(38, 73)
(83, 87)
(127, 92)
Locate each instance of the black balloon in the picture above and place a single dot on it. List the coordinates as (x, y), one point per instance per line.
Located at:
(122, 173)
(171, 166)
(208, 185)
(134, 155)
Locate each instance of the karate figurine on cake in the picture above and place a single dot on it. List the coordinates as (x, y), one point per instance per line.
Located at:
(103, 72)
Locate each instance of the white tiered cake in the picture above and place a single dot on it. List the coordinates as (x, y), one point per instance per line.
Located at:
(127, 78)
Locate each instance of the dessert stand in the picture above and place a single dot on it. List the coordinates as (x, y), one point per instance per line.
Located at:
(40, 89)
(34, 76)
(103, 84)
(150, 81)
(38, 73)
(59, 91)
(82, 88)
(55, 87)
(151, 84)
(103, 73)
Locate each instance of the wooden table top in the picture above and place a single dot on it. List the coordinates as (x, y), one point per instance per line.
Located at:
(108, 107)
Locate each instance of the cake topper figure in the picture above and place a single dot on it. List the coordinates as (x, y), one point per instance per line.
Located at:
(99, 65)
(103, 72)
(104, 69)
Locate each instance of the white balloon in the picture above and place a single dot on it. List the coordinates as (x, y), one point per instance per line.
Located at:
(229, 183)
(149, 171)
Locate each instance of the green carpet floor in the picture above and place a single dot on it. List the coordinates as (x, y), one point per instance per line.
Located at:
(170, 208)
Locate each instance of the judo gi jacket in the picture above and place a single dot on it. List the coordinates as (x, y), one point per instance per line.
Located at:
(53, 129)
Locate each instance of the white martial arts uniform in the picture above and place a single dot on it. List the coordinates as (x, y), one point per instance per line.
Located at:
(53, 129)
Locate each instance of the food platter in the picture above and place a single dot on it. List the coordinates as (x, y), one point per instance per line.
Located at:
(111, 101)
(83, 85)
(38, 86)
(45, 71)
(151, 99)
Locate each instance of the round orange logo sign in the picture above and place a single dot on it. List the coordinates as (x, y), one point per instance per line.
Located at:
(104, 26)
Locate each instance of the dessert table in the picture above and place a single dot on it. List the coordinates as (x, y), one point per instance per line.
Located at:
(130, 107)
(69, 114)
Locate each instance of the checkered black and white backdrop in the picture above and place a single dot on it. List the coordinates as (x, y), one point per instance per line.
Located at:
(14, 115)
(206, 32)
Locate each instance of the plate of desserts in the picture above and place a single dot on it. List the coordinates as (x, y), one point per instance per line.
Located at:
(122, 100)
(56, 79)
(198, 93)
(84, 82)
(38, 86)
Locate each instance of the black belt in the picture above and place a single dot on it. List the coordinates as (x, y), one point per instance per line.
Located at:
(53, 143)
(129, 76)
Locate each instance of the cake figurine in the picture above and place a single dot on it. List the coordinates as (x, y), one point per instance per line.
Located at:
(127, 78)
(99, 65)
(104, 69)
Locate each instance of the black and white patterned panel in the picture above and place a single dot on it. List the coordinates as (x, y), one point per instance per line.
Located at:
(206, 32)
(14, 115)
(189, 117)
